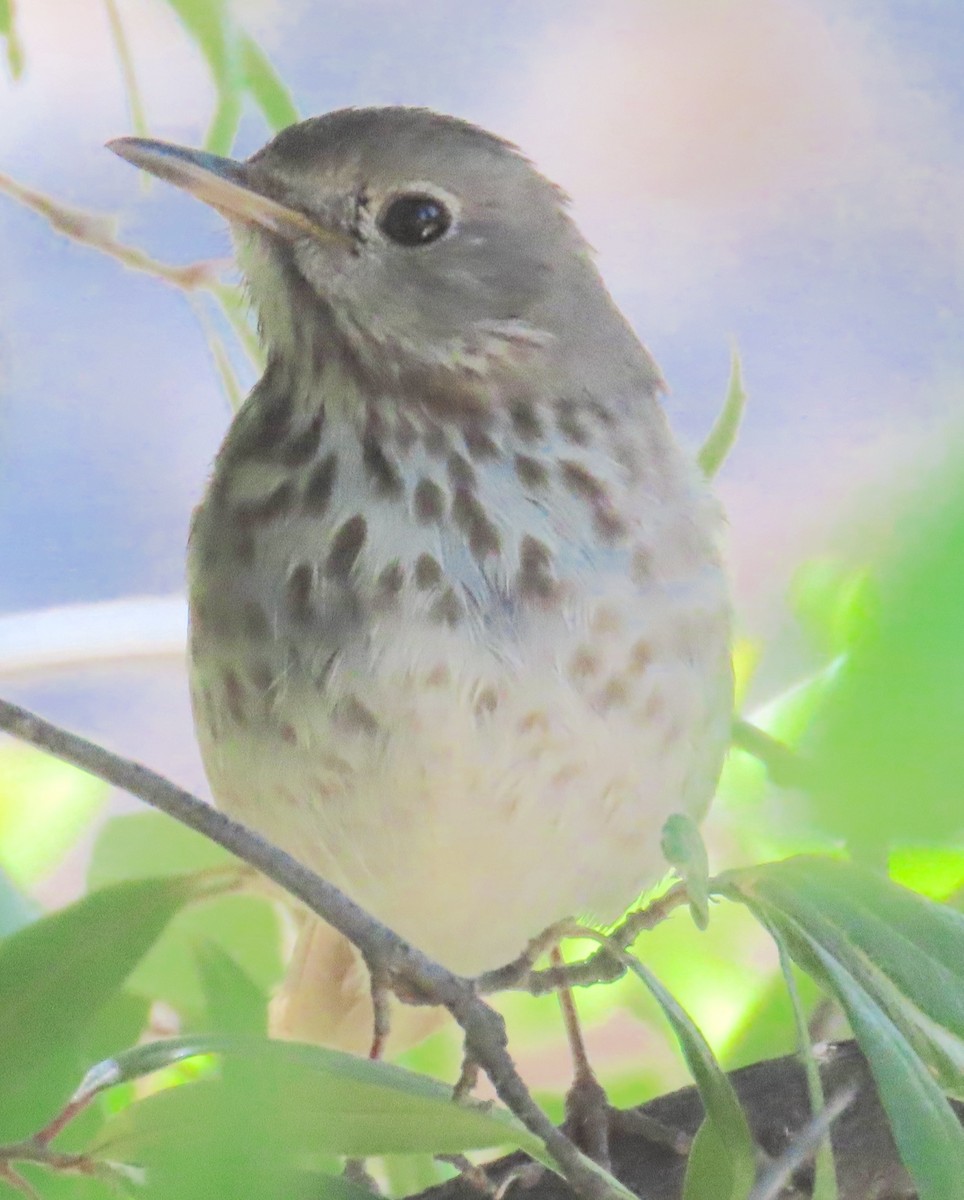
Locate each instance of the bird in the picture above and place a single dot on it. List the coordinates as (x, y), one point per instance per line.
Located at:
(459, 618)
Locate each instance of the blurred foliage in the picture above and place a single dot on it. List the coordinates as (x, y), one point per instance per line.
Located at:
(11, 38)
(171, 936)
(44, 806)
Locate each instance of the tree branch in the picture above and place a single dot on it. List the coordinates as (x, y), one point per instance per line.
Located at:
(775, 1099)
(484, 1029)
(93, 229)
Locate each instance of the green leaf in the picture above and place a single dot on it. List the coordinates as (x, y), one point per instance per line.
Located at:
(8, 31)
(44, 806)
(833, 601)
(266, 86)
(233, 1001)
(709, 1168)
(887, 748)
(211, 26)
(244, 926)
(15, 909)
(896, 963)
(767, 1026)
(731, 1133)
(148, 845)
(825, 1174)
(56, 975)
(722, 437)
(321, 1100)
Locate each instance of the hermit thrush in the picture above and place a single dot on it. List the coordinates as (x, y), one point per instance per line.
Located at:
(459, 628)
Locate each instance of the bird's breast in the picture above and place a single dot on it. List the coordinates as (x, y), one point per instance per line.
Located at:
(430, 647)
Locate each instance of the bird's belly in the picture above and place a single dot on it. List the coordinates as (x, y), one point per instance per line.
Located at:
(468, 798)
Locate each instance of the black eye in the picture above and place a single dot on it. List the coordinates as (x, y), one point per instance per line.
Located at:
(414, 219)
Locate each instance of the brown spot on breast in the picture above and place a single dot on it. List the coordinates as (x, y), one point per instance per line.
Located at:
(319, 487)
(439, 676)
(601, 412)
(614, 694)
(566, 775)
(266, 508)
(345, 547)
(469, 515)
(581, 481)
(391, 579)
(299, 449)
(447, 609)
(382, 471)
(641, 567)
(435, 440)
(404, 432)
(243, 547)
(531, 472)
(461, 472)
(265, 425)
(584, 663)
(428, 573)
(234, 695)
(605, 619)
(640, 656)
(533, 722)
(429, 502)
(255, 620)
(535, 579)
(261, 676)
(525, 420)
(478, 443)
(354, 717)
(288, 733)
(486, 702)
(298, 588)
(568, 423)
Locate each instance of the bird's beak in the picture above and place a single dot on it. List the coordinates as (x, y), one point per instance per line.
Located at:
(221, 182)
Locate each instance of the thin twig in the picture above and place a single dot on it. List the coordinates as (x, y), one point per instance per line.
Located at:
(784, 766)
(604, 966)
(484, 1028)
(98, 231)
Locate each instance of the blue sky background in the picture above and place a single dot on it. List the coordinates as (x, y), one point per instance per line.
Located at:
(775, 172)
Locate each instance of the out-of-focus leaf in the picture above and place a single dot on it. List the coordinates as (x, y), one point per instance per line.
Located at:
(212, 27)
(233, 1001)
(44, 806)
(721, 438)
(767, 1029)
(935, 871)
(135, 104)
(746, 659)
(709, 1169)
(55, 976)
(731, 1134)
(320, 1101)
(887, 747)
(244, 926)
(266, 86)
(825, 1174)
(895, 961)
(8, 32)
(238, 66)
(832, 601)
(148, 845)
(15, 909)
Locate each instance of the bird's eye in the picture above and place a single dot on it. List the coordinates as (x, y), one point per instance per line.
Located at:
(414, 219)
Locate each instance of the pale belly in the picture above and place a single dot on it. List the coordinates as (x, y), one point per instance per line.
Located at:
(470, 798)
